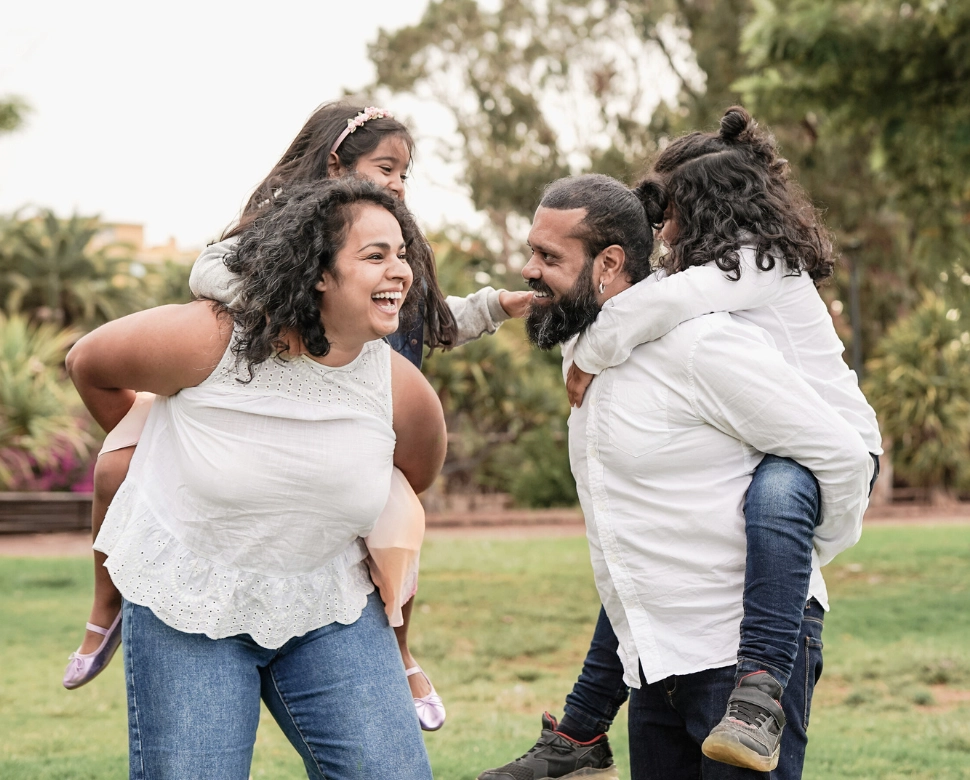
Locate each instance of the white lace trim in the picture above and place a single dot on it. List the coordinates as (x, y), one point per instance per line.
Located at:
(198, 596)
(362, 385)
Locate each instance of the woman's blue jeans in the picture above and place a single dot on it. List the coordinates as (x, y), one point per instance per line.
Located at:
(781, 511)
(338, 693)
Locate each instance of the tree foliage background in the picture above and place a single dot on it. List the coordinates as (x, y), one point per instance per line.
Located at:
(58, 281)
(869, 99)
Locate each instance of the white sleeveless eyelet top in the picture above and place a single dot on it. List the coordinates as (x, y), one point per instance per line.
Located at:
(245, 504)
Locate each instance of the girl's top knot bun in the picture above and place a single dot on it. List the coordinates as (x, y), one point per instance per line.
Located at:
(654, 200)
(734, 122)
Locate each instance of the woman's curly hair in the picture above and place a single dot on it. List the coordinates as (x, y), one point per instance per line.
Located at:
(307, 160)
(282, 255)
(731, 189)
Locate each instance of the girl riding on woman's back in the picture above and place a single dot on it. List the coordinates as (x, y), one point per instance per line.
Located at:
(338, 139)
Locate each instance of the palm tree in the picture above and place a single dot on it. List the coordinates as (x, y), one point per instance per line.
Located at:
(39, 409)
(50, 270)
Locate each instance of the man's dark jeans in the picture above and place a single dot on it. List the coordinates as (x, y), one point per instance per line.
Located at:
(781, 511)
(670, 719)
(780, 487)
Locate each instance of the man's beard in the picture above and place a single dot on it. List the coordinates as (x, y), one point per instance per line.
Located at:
(553, 323)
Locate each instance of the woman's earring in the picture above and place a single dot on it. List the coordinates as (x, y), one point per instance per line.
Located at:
(602, 288)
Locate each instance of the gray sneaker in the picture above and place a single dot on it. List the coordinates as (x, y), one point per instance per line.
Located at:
(557, 756)
(749, 734)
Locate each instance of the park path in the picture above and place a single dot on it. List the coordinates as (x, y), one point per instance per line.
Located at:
(504, 525)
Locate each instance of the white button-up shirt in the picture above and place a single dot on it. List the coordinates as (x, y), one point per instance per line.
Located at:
(663, 449)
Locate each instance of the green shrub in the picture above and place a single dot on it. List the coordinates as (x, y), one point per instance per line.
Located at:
(40, 425)
(919, 385)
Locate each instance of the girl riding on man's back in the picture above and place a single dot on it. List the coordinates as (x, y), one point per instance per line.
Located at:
(740, 236)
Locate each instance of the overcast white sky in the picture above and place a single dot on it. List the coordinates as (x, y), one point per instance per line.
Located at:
(170, 114)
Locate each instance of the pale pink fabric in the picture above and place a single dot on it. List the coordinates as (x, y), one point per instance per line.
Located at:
(127, 432)
(394, 548)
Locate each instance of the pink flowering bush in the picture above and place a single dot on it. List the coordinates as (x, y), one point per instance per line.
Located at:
(44, 439)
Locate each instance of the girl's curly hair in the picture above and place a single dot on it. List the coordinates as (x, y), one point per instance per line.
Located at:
(282, 255)
(731, 189)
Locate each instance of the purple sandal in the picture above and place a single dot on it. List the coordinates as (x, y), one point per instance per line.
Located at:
(431, 710)
(82, 669)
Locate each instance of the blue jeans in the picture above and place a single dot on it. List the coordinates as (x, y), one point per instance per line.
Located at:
(599, 692)
(338, 693)
(670, 719)
(781, 511)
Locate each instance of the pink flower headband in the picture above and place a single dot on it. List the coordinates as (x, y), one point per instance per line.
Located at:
(368, 113)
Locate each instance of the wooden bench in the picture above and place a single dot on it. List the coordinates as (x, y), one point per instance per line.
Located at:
(26, 513)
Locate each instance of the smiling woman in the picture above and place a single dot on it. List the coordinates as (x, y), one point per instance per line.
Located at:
(374, 266)
(236, 538)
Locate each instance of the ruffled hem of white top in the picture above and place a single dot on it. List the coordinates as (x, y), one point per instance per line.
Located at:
(196, 595)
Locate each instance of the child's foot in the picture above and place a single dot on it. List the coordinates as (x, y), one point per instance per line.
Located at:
(420, 684)
(431, 710)
(749, 734)
(84, 667)
(102, 615)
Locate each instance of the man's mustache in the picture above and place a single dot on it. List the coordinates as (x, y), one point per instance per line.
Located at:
(536, 286)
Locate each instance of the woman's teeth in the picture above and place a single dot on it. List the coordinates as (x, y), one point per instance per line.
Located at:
(387, 300)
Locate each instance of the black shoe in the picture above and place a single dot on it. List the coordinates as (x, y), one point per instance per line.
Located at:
(749, 734)
(555, 755)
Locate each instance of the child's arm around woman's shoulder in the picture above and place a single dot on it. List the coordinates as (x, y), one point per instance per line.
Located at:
(210, 278)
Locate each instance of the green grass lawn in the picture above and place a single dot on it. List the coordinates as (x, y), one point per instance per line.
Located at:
(502, 628)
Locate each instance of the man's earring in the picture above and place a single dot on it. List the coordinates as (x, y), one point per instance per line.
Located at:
(602, 288)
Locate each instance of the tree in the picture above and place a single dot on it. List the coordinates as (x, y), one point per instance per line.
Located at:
(51, 270)
(869, 99)
(881, 91)
(12, 112)
(495, 391)
(538, 91)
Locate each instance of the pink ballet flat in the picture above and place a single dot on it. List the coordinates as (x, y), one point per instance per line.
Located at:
(82, 669)
(431, 710)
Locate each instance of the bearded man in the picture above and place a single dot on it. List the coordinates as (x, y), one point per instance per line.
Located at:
(663, 450)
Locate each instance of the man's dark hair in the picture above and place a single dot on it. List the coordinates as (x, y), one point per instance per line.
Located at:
(614, 215)
(282, 255)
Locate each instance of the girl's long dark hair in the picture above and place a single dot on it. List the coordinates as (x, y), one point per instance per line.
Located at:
(307, 160)
(731, 189)
(284, 252)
